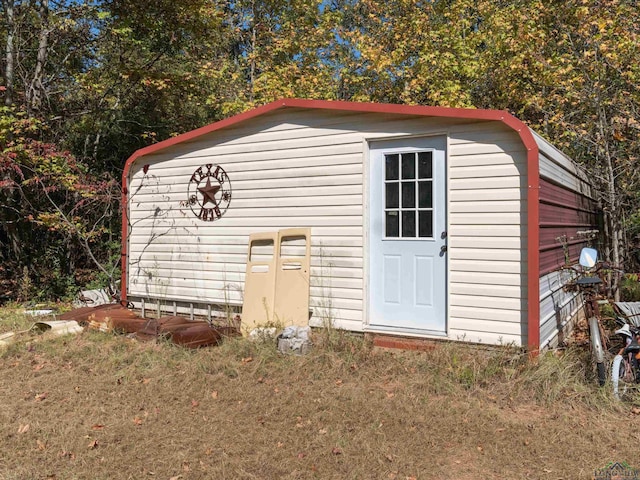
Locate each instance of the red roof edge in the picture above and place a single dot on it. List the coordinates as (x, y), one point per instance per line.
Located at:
(533, 233)
(533, 304)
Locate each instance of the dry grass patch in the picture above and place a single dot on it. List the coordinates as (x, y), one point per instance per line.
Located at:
(15, 320)
(101, 406)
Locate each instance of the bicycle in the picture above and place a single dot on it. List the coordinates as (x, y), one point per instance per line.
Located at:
(588, 283)
(625, 370)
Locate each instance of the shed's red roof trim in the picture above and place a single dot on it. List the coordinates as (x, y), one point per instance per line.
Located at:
(415, 110)
(533, 309)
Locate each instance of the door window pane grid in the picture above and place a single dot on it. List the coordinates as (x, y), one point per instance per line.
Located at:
(409, 195)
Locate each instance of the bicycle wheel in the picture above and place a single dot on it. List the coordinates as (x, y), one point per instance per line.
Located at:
(597, 350)
(618, 371)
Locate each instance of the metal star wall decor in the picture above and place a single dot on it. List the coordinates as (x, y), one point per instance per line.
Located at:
(209, 192)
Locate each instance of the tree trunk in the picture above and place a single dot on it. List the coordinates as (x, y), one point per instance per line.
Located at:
(96, 144)
(612, 210)
(9, 52)
(36, 89)
(252, 52)
(9, 226)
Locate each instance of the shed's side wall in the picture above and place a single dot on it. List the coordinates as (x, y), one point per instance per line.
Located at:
(567, 206)
(295, 168)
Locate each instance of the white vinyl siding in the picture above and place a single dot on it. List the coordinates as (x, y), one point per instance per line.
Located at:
(487, 235)
(557, 167)
(283, 174)
(558, 307)
(298, 168)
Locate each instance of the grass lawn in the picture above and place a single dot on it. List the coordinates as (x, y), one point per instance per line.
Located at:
(100, 406)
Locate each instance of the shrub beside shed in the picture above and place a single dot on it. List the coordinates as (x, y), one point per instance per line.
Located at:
(425, 221)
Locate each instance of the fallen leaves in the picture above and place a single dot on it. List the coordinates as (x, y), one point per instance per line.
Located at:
(41, 396)
(97, 427)
(336, 451)
(93, 445)
(214, 394)
(300, 422)
(137, 421)
(66, 454)
(23, 428)
(41, 445)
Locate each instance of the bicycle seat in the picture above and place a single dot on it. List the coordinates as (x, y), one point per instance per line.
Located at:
(588, 281)
(632, 348)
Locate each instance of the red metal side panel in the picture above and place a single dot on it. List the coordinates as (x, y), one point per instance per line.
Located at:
(563, 213)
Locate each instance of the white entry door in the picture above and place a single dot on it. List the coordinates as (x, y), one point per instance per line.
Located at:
(408, 238)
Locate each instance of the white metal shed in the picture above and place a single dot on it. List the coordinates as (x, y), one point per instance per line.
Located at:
(426, 221)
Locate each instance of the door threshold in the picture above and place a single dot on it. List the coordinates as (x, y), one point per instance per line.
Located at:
(407, 332)
(398, 342)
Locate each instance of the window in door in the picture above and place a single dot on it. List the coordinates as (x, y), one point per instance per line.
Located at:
(408, 204)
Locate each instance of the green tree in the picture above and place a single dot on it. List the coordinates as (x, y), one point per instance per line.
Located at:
(88, 82)
(50, 203)
(571, 69)
(404, 51)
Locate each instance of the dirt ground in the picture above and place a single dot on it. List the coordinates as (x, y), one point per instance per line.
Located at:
(99, 406)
